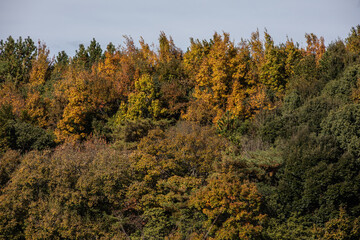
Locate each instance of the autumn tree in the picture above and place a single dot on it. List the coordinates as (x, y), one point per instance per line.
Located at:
(16, 58)
(76, 118)
(257, 54)
(143, 103)
(232, 208)
(70, 193)
(168, 165)
(273, 71)
(171, 76)
(315, 46)
(353, 40)
(36, 104)
(214, 76)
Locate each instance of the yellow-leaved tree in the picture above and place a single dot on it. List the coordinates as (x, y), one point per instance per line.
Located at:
(214, 74)
(75, 122)
(143, 102)
(232, 208)
(36, 104)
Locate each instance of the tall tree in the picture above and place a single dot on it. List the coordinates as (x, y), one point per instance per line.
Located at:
(315, 46)
(353, 40)
(95, 52)
(16, 59)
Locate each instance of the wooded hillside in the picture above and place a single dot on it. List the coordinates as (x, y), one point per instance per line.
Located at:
(248, 140)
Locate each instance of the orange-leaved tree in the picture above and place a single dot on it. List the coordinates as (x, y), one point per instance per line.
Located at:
(232, 208)
(315, 46)
(216, 67)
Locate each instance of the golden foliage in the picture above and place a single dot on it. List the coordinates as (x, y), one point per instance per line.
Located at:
(315, 46)
(9, 94)
(232, 208)
(40, 66)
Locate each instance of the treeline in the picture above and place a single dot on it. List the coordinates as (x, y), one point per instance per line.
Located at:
(248, 140)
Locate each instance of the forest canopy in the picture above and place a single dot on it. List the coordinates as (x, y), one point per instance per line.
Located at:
(226, 140)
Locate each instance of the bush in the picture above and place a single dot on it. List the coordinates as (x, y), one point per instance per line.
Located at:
(342, 88)
(344, 125)
(27, 137)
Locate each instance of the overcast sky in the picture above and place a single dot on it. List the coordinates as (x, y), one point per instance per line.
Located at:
(64, 24)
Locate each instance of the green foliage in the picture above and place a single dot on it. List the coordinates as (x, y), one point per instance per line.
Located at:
(353, 40)
(81, 57)
(295, 227)
(157, 224)
(27, 137)
(20, 135)
(333, 61)
(231, 127)
(342, 227)
(271, 129)
(225, 141)
(305, 79)
(291, 102)
(169, 65)
(143, 103)
(6, 129)
(273, 72)
(344, 124)
(171, 77)
(95, 52)
(317, 178)
(15, 59)
(342, 88)
(62, 58)
(87, 57)
(300, 156)
(311, 113)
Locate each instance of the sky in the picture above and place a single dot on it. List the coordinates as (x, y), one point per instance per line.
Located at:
(64, 24)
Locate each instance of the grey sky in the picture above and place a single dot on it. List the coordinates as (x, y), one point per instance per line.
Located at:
(64, 24)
